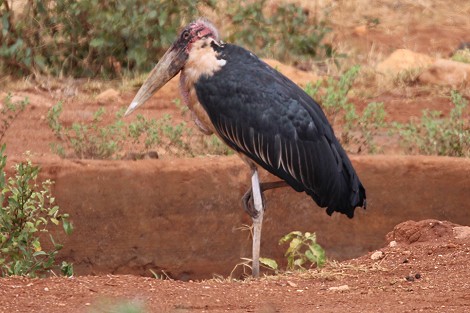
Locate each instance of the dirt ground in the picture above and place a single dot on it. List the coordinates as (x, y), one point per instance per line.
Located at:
(424, 268)
(427, 270)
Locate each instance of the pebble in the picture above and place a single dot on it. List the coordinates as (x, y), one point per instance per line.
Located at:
(109, 95)
(392, 243)
(377, 255)
(341, 288)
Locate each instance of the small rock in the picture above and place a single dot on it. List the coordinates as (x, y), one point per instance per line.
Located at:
(392, 244)
(109, 95)
(461, 232)
(377, 255)
(446, 73)
(341, 288)
(291, 284)
(360, 30)
(46, 289)
(403, 60)
(410, 278)
(417, 275)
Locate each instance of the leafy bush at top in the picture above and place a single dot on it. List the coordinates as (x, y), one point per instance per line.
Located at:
(110, 38)
(286, 32)
(89, 37)
(435, 135)
(26, 211)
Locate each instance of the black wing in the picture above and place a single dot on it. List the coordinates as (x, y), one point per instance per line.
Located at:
(259, 112)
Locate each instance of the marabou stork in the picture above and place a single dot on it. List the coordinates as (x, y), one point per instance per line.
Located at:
(262, 115)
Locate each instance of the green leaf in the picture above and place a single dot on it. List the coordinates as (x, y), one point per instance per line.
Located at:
(299, 262)
(68, 226)
(66, 269)
(310, 256)
(37, 253)
(295, 243)
(289, 236)
(272, 264)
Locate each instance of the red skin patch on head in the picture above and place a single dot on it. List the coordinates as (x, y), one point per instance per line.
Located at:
(199, 29)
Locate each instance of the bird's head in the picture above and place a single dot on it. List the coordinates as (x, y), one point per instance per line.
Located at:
(173, 60)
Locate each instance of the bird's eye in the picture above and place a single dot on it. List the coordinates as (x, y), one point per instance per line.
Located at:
(186, 35)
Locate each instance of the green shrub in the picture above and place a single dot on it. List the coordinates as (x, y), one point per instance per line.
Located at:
(435, 135)
(89, 37)
(334, 96)
(368, 125)
(172, 138)
(354, 129)
(27, 209)
(111, 38)
(99, 140)
(95, 140)
(9, 112)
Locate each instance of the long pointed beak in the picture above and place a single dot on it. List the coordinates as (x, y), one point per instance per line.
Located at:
(167, 68)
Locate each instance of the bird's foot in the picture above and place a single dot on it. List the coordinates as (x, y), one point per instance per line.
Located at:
(249, 205)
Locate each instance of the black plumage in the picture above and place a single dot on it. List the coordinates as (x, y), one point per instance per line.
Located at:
(262, 114)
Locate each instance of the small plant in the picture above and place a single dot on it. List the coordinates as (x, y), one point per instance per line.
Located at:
(333, 97)
(355, 129)
(269, 263)
(214, 146)
(141, 128)
(98, 140)
(27, 209)
(462, 55)
(10, 112)
(407, 77)
(93, 141)
(369, 123)
(435, 135)
(164, 133)
(303, 249)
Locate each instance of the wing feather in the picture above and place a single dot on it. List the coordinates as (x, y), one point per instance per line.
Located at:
(259, 112)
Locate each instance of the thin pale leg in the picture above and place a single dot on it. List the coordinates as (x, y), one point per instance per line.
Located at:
(247, 197)
(257, 221)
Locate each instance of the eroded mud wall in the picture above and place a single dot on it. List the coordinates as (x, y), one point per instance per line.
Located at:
(184, 216)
